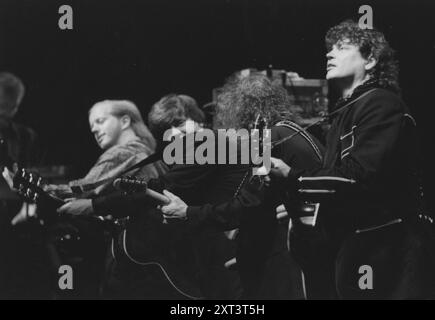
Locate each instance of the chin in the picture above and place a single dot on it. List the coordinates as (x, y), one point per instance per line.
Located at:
(103, 146)
(330, 75)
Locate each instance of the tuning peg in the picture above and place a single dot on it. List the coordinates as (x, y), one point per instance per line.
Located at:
(29, 194)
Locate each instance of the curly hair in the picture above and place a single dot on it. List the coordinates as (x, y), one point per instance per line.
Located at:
(243, 100)
(371, 43)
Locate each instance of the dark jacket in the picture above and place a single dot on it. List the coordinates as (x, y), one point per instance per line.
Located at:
(369, 214)
(372, 150)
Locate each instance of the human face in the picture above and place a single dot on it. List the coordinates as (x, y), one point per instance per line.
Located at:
(345, 62)
(106, 127)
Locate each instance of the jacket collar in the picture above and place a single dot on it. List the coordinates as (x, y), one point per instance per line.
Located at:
(361, 89)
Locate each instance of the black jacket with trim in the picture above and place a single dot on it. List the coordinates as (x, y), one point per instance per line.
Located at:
(370, 166)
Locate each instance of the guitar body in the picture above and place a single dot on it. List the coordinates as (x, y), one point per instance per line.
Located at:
(154, 262)
(159, 253)
(165, 275)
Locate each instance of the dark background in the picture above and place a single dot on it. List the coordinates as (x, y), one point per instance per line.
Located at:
(142, 50)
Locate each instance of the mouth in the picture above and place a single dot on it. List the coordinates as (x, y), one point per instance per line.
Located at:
(100, 138)
(330, 66)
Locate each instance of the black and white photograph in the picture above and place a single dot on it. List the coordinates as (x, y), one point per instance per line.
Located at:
(218, 154)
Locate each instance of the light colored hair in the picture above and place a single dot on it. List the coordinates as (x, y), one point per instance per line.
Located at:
(120, 108)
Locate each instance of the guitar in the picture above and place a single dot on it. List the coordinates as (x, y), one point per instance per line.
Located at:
(158, 244)
(132, 185)
(30, 186)
(27, 184)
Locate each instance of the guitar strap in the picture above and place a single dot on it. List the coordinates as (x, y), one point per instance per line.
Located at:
(299, 130)
(156, 156)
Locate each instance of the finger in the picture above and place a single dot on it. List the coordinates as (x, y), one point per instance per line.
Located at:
(171, 217)
(64, 208)
(274, 161)
(8, 177)
(280, 208)
(20, 217)
(274, 172)
(282, 215)
(165, 210)
(170, 195)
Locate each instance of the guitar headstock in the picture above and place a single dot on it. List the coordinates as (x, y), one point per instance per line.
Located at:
(29, 185)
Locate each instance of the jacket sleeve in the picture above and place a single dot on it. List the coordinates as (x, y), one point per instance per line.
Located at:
(227, 215)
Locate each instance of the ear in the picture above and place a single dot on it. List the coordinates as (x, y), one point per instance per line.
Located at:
(125, 122)
(371, 63)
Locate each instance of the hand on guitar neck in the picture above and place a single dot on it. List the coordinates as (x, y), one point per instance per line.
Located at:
(135, 185)
(175, 208)
(172, 207)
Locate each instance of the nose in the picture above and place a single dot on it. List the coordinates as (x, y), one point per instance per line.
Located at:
(330, 54)
(94, 129)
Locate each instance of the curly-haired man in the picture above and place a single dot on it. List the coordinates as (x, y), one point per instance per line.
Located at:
(265, 268)
(376, 239)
